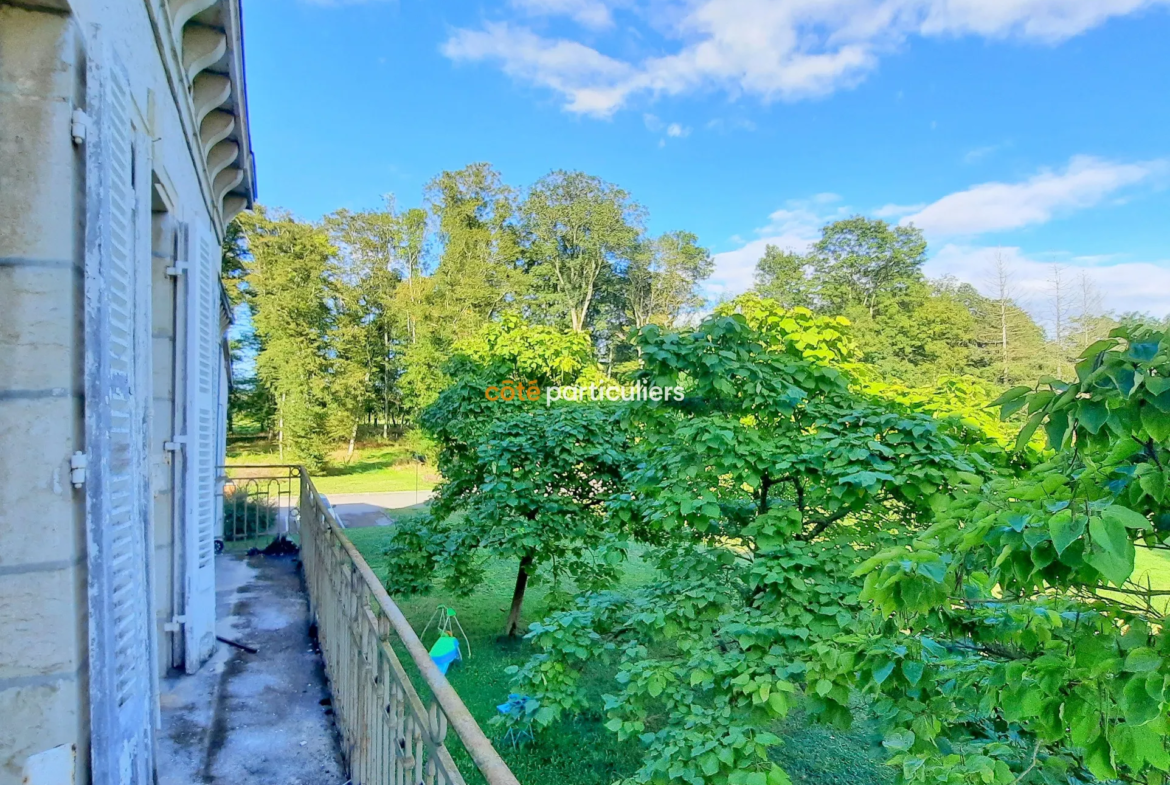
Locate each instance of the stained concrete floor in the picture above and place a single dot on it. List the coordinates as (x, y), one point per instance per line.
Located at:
(259, 718)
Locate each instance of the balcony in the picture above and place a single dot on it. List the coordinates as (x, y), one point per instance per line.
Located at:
(319, 677)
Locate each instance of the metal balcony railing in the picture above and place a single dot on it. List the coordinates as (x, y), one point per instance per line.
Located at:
(390, 735)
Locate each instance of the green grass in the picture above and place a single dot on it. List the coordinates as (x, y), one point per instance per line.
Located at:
(581, 751)
(1154, 567)
(373, 468)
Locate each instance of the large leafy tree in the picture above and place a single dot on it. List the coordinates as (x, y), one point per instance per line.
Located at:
(662, 281)
(369, 333)
(860, 261)
(288, 287)
(523, 481)
(482, 266)
(909, 328)
(480, 273)
(783, 275)
(582, 232)
(1019, 646)
(759, 493)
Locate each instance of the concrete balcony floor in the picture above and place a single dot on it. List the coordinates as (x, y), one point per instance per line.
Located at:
(253, 718)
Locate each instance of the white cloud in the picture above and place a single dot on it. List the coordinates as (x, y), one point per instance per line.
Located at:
(1124, 286)
(1142, 286)
(774, 49)
(722, 125)
(593, 83)
(992, 207)
(678, 131)
(896, 210)
(589, 13)
(793, 227)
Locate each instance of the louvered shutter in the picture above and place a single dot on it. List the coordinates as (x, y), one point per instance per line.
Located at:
(203, 337)
(117, 406)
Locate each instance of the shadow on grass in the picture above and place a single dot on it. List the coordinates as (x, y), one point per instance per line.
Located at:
(580, 751)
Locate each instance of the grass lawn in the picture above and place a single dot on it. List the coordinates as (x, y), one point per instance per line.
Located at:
(372, 468)
(1154, 567)
(582, 752)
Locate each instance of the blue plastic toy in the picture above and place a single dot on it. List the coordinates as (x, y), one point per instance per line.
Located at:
(446, 649)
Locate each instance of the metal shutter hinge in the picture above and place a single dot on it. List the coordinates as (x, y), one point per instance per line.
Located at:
(173, 624)
(179, 268)
(78, 125)
(175, 444)
(77, 464)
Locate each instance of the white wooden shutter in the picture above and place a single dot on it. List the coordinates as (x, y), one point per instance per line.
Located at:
(203, 337)
(117, 406)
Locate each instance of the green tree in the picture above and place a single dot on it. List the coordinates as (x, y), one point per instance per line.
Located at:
(481, 273)
(370, 330)
(1018, 647)
(861, 261)
(662, 282)
(920, 332)
(288, 287)
(783, 276)
(760, 491)
(522, 480)
(482, 268)
(582, 233)
(537, 494)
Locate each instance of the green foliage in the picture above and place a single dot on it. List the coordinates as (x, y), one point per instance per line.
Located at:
(796, 331)
(288, 288)
(516, 349)
(782, 275)
(246, 516)
(583, 231)
(906, 327)
(661, 281)
(522, 480)
(1041, 660)
(762, 490)
(859, 262)
(534, 489)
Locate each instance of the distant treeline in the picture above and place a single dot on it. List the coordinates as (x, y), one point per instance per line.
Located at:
(352, 319)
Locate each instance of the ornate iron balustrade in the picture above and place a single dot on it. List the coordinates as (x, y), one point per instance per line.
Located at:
(260, 503)
(390, 736)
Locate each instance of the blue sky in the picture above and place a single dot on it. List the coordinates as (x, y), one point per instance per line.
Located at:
(1038, 130)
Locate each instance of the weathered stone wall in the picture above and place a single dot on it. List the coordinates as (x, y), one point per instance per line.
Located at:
(42, 524)
(44, 703)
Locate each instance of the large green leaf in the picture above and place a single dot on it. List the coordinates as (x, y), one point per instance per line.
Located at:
(1065, 528)
(1126, 517)
(1112, 553)
(1029, 428)
(1156, 423)
(1011, 395)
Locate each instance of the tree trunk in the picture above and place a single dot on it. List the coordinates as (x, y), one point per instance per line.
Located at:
(352, 440)
(1004, 338)
(513, 623)
(280, 438)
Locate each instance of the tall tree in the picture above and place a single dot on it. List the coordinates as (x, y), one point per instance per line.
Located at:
(369, 282)
(1089, 321)
(289, 285)
(860, 260)
(1060, 302)
(662, 282)
(583, 233)
(783, 275)
(482, 267)
(1014, 342)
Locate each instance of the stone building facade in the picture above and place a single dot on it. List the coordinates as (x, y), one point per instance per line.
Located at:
(124, 153)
